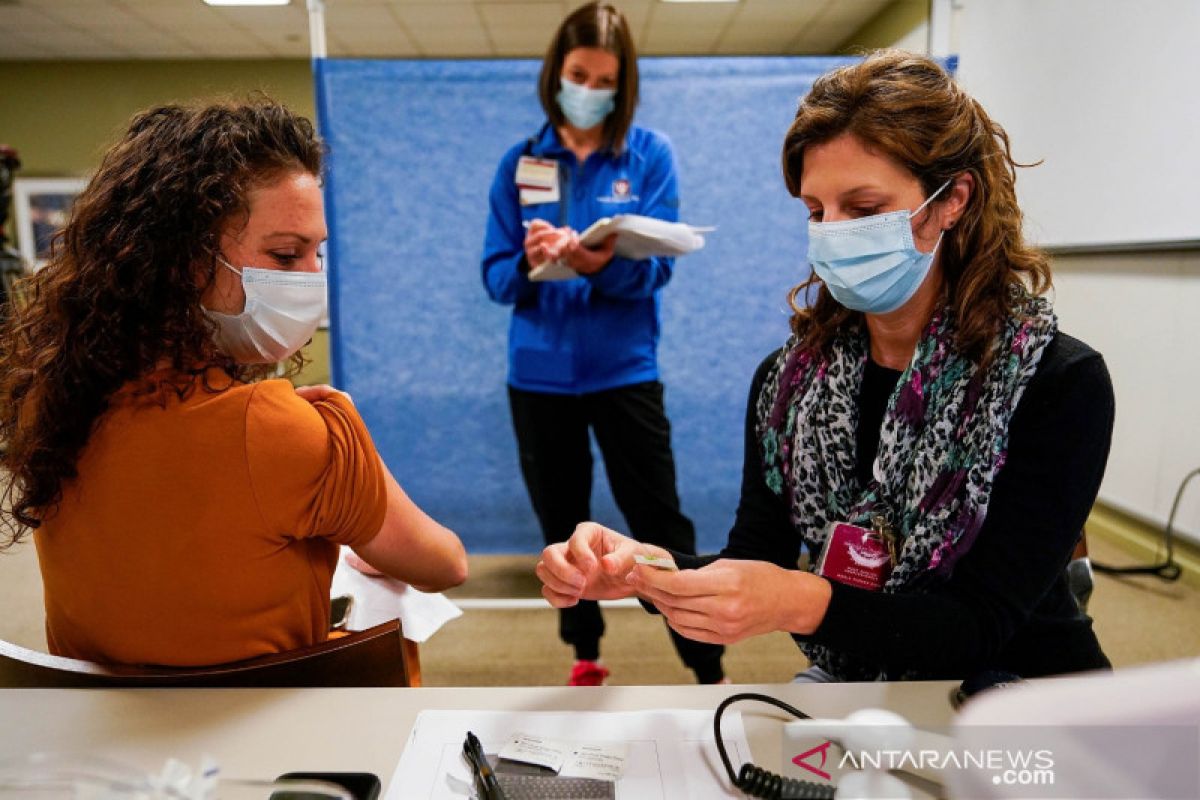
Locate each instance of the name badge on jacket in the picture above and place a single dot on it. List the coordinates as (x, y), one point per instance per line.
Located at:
(537, 180)
(856, 557)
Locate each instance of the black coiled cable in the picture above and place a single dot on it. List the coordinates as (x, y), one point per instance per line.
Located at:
(756, 781)
(1166, 569)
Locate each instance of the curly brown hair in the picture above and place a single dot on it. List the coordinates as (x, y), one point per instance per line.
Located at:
(907, 108)
(119, 299)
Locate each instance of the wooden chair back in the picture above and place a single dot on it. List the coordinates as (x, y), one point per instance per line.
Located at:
(378, 656)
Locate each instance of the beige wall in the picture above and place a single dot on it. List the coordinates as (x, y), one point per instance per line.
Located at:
(1137, 308)
(894, 26)
(1139, 311)
(62, 115)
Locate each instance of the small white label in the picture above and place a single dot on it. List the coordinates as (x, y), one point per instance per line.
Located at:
(537, 180)
(537, 173)
(535, 197)
(527, 749)
(658, 562)
(603, 761)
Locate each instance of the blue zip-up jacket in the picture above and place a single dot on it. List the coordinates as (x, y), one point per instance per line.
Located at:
(593, 332)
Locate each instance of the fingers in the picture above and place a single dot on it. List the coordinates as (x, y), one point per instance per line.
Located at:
(544, 242)
(559, 574)
(705, 624)
(556, 583)
(618, 561)
(587, 260)
(607, 246)
(701, 634)
(559, 600)
(575, 569)
(317, 392)
(677, 586)
(589, 542)
(712, 606)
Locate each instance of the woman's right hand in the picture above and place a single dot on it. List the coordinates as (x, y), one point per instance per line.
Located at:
(592, 565)
(544, 242)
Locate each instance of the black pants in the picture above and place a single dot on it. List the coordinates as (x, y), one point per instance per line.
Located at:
(631, 428)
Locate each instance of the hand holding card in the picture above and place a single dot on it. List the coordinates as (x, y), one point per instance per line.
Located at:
(658, 562)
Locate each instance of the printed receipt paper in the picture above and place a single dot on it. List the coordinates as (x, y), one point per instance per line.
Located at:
(603, 761)
(659, 754)
(638, 237)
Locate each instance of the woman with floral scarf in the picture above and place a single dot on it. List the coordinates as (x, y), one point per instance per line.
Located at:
(927, 436)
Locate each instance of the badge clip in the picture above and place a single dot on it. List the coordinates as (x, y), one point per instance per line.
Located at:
(888, 534)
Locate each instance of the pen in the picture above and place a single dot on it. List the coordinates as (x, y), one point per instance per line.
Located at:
(489, 786)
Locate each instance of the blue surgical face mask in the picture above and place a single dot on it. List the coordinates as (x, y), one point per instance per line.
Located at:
(583, 107)
(871, 264)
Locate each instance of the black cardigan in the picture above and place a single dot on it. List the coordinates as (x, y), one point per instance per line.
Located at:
(1007, 605)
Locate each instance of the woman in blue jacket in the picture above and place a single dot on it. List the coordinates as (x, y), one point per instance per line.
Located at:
(582, 352)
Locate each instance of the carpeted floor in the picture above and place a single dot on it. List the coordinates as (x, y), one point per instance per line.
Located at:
(1138, 620)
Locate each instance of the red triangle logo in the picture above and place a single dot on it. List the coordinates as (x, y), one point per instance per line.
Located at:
(799, 760)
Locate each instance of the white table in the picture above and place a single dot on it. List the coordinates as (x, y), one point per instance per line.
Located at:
(262, 733)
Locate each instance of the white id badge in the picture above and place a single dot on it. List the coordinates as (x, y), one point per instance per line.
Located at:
(537, 180)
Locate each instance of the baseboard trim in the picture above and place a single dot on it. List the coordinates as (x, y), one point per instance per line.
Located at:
(1142, 541)
(522, 603)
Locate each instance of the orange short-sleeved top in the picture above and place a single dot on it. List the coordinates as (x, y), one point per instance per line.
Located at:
(205, 529)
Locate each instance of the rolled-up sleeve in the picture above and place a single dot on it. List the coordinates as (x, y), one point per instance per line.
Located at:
(313, 468)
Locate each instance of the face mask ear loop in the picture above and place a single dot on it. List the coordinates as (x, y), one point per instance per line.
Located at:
(229, 266)
(929, 199)
(936, 244)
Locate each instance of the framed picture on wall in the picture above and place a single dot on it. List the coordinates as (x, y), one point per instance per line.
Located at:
(42, 206)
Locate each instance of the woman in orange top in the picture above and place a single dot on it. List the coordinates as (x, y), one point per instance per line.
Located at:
(188, 512)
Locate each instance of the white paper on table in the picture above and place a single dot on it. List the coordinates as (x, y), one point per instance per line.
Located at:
(382, 599)
(548, 753)
(603, 761)
(671, 752)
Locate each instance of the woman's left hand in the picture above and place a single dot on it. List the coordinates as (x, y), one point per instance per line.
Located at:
(730, 600)
(318, 392)
(588, 260)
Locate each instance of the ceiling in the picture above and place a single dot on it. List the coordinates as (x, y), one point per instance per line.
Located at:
(189, 29)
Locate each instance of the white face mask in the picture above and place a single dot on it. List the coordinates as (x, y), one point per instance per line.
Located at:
(282, 311)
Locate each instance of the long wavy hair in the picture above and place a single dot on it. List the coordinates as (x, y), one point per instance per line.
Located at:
(119, 300)
(907, 108)
(603, 26)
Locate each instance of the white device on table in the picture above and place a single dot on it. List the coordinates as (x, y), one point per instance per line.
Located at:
(1129, 733)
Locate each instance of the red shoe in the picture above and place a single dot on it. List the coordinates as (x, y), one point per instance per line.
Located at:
(587, 673)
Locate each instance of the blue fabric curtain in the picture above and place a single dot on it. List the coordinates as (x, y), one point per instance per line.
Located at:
(416, 342)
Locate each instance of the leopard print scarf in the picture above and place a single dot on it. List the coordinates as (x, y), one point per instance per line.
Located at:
(943, 439)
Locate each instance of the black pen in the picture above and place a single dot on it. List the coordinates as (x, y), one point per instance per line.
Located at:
(489, 787)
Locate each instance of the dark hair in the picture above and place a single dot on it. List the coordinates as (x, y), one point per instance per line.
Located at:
(120, 296)
(593, 25)
(907, 108)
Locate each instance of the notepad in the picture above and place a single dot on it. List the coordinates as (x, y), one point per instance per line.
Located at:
(638, 237)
